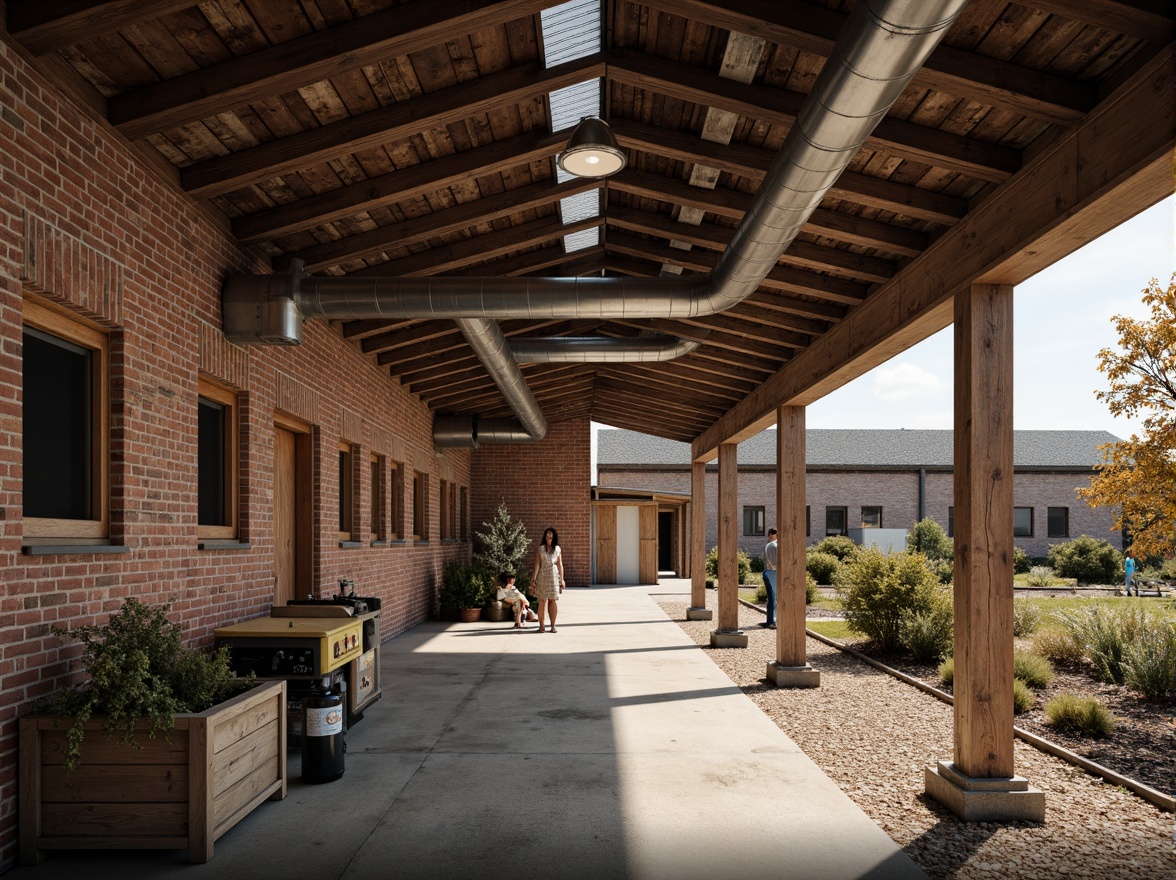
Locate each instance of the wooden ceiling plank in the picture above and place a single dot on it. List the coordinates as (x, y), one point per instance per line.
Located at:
(858, 267)
(478, 248)
(772, 106)
(753, 162)
(49, 25)
(437, 223)
(403, 119)
(399, 186)
(675, 382)
(1149, 20)
(1094, 177)
(418, 334)
(288, 66)
(990, 81)
(356, 330)
(734, 204)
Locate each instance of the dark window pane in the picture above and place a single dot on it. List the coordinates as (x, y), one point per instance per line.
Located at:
(951, 522)
(871, 517)
(1023, 522)
(211, 465)
(835, 520)
(1058, 522)
(58, 428)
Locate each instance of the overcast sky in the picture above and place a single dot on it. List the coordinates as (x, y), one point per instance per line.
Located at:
(1062, 318)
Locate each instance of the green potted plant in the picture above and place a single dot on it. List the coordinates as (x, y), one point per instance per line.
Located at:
(157, 747)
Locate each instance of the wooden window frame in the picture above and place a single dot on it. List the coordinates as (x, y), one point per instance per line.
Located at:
(68, 328)
(420, 506)
(230, 451)
(1023, 534)
(443, 520)
(463, 513)
(876, 507)
(396, 500)
(844, 518)
(346, 491)
(377, 498)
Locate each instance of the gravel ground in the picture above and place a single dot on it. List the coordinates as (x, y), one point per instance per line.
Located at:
(874, 735)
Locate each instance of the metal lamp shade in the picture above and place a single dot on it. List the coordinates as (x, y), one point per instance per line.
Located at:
(592, 150)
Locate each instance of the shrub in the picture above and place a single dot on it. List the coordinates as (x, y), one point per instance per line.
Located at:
(1022, 697)
(1149, 661)
(822, 566)
(1033, 669)
(1039, 576)
(761, 593)
(1026, 617)
(1021, 563)
(757, 564)
(1103, 632)
(928, 634)
(1059, 645)
(137, 667)
(841, 546)
(712, 565)
(947, 671)
(944, 570)
(879, 588)
(1088, 560)
(1081, 715)
(928, 537)
(810, 589)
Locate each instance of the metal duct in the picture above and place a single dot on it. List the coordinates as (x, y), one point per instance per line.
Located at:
(881, 46)
(599, 349)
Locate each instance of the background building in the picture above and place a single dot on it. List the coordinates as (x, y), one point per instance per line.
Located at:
(875, 479)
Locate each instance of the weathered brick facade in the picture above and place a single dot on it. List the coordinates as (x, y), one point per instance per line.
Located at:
(87, 227)
(895, 491)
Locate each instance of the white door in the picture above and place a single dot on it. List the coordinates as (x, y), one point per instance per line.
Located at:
(628, 546)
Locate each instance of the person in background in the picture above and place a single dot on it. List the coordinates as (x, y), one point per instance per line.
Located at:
(770, 578)
(547, 580)
(1129, 567)
(518, 603)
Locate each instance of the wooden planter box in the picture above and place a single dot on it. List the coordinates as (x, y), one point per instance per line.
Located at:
(180, 791)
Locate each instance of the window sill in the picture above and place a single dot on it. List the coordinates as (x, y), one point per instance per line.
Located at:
(378, 544)
(348, 545)
(71, 549)
(223, 545)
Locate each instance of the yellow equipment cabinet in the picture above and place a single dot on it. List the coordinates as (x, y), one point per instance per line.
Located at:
(292, 646)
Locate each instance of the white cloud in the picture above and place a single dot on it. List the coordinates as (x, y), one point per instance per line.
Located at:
(902, 381)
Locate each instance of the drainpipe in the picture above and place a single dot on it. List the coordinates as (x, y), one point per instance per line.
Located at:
(881, 46)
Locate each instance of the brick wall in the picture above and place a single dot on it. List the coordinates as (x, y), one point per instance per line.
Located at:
(543, 484)
(896, 492)
(91, 230)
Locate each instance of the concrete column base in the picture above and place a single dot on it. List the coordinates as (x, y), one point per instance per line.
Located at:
(793, 676)
(699, 614)
(728, 638)
(976, 799)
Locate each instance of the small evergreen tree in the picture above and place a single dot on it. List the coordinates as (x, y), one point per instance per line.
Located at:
(929, 538)
(502, 544)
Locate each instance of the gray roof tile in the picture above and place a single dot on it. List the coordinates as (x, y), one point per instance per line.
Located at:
(861, 448)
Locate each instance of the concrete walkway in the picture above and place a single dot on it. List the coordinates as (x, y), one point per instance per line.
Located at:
(613, 748)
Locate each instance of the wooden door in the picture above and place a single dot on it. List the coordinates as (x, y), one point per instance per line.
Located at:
(647, 568)
(285, 516)
(606, 544)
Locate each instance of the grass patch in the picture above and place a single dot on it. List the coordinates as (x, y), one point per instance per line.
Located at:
(1052, 609)
(830, 602)
(1036, 579)
(833, 629)
(1081, 715)
(747, 594)
(1033, 669)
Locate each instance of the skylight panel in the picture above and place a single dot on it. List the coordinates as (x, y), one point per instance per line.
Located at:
(570, 31)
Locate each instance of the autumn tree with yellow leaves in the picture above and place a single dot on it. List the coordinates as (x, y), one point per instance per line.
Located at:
(1139, 474)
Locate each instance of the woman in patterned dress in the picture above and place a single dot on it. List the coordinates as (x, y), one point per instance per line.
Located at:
(547, 580)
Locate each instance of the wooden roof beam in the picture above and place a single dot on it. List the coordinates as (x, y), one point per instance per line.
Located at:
(988, 81)
(1104, 171)
(403, 119)
(894, 137)
(49, 25)
(315, 57)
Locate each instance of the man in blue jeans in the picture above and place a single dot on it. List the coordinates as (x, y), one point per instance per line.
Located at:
(770, 578)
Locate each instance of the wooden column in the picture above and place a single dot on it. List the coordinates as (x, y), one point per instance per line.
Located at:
(698, 609)
(790, 668)
(728, 634)
(979, 785)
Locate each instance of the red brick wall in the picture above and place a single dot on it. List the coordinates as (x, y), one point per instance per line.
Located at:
(117, 245)
(543, 484)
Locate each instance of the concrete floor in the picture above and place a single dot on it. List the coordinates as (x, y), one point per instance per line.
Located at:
(611, 748)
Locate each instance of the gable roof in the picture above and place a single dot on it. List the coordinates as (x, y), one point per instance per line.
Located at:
(860, 449)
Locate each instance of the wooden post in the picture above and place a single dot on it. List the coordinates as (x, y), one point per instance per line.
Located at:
(698, 609)
(790, 668)
(728, 634)
(980, 785)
